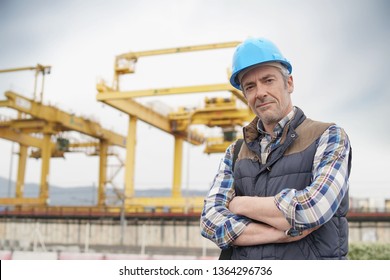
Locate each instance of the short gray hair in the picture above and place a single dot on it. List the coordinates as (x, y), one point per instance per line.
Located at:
(283, 70)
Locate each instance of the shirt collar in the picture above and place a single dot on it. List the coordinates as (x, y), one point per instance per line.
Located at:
(279, 127)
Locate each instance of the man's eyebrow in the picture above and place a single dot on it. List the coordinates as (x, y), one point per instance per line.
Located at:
(265, 77)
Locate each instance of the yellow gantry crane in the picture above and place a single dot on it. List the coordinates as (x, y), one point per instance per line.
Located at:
(41, 126)
(218, 112)
(37, 125)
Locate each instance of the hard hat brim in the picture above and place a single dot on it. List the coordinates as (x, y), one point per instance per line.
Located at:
(235, 79)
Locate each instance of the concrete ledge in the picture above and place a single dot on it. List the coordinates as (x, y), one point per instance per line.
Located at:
(23, 255)
(80, 256)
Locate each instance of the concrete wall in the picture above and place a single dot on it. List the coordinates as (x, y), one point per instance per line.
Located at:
(370, 232)
(30, 234)
(134, 236)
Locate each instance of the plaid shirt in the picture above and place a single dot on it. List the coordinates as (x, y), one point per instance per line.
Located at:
(268, 141)
(307, 208)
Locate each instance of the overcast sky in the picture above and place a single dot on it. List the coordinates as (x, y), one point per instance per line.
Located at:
(339, 51)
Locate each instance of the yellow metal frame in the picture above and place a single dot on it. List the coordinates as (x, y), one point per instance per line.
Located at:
(125, 63)
(223, 113)
(48, 121)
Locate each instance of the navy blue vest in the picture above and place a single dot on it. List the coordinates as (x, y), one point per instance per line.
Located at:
(289, 164)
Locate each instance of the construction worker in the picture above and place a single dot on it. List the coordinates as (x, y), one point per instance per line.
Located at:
(287, 197)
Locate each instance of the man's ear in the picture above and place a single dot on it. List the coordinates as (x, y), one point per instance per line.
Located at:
(290, 84)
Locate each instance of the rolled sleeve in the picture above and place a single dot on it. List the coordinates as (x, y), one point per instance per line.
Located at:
(217, 223)
(317, 203)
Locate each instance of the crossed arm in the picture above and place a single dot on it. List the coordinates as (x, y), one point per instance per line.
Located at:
(273, 223)
(227, 219)
(231, 220)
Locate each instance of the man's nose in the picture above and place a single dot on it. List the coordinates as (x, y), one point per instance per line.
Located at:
(261, 91)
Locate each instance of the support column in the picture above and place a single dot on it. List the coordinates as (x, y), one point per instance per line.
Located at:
(21, 171)
(177, 167)
(130, 157)
(46, 154)
(103, 150)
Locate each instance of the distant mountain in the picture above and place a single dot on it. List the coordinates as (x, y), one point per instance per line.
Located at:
(82, 195)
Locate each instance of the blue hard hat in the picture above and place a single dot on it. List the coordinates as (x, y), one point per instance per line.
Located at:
(255, 51)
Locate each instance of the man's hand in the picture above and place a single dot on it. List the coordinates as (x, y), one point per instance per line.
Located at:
(286, 238)
(257, 234)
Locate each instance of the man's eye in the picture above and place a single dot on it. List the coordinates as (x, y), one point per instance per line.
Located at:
(268, 81)
(248, 87)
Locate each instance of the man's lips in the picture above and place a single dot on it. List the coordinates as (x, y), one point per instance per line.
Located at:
(264, 104)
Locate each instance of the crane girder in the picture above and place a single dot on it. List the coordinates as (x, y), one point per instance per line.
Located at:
(229, 115)
(112, 95)
(21, 138)
(219, 144)
(25, 201)
(149, 116)
(217, 147)
(66, 120)
(125, 63)
(221, 116)
(84, 145)
(133, 108)
(134, 55)
(30, 125)
(38, 68)
(5, 103)
(9, 133)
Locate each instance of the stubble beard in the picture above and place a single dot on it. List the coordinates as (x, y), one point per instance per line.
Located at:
(270, 119)
(269, 115)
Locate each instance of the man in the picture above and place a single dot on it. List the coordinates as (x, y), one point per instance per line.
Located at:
(287, 197)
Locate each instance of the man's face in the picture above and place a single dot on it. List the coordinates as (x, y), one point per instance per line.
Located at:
(268, 94)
